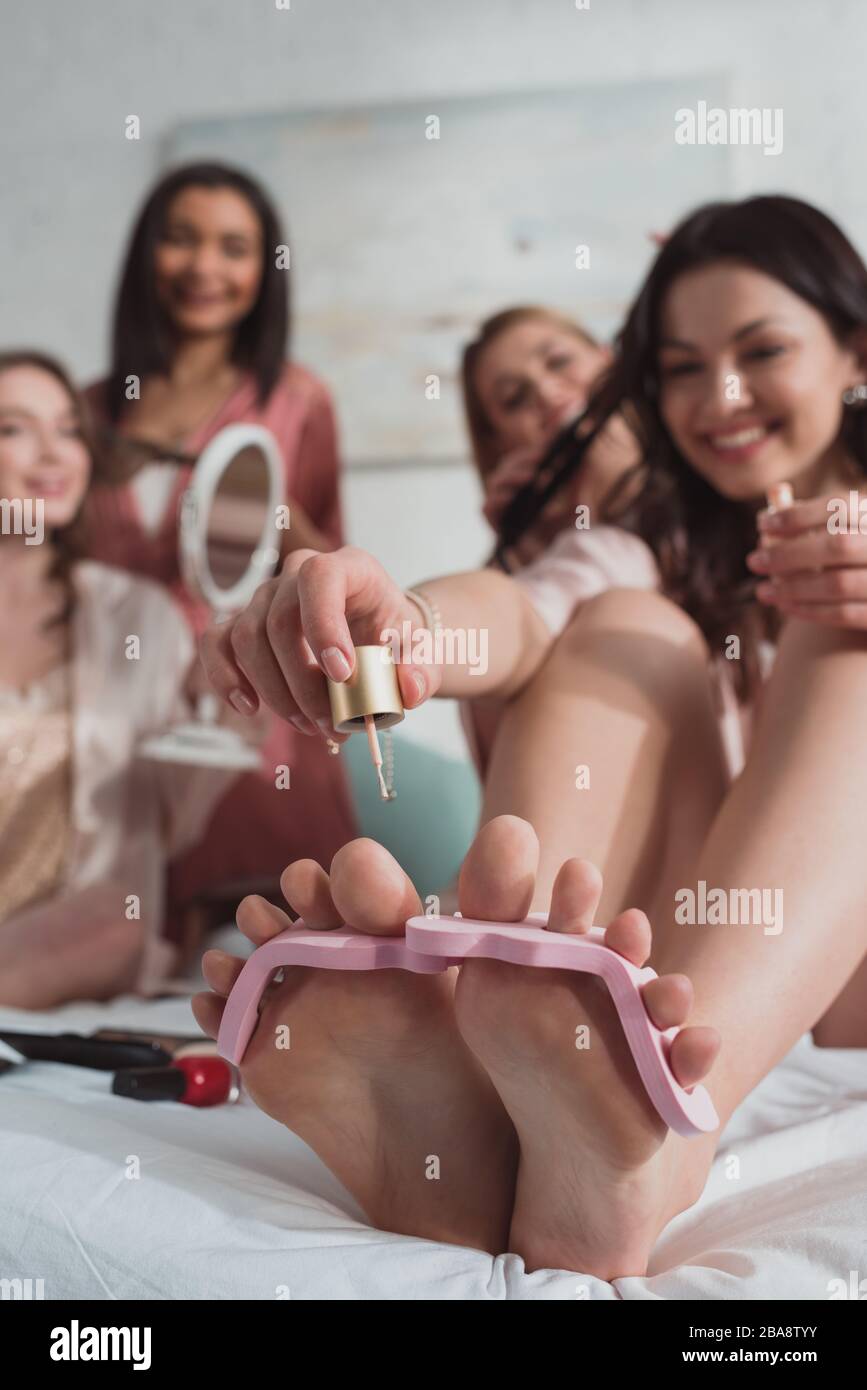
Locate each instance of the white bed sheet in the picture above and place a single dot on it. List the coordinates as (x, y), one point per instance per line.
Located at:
(230, 1205)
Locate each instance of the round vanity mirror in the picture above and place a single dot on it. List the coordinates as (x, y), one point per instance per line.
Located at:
(229, 542)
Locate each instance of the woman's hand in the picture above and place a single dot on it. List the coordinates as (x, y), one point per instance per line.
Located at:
(611, 454)
(253, 725)
(512, 473)
(504, 480)
(811, 569)
(303, 625)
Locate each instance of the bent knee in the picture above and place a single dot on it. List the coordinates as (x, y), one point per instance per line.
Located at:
(643, 612)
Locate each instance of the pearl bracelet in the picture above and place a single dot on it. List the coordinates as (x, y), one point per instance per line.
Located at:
(428, 608)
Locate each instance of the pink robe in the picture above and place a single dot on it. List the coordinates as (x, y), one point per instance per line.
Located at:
(257, 829)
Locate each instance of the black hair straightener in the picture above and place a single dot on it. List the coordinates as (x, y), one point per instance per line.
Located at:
(79, 1051)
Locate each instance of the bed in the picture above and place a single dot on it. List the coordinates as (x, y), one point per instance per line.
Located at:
(230, 1205)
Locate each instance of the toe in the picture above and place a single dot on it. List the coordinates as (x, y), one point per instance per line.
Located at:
(575, 896)
(370, 890)
(221, 970)
(208, 1011)
(629, 935)
(668, 1000)
(693, 1053)
(307, 888)
(260, 920)
(498, 875)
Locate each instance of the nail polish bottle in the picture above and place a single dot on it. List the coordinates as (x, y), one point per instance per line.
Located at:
(371, 691)
(370, 700)
(191, 1080)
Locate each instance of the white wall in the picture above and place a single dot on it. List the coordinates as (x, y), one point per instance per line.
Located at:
(72, 70)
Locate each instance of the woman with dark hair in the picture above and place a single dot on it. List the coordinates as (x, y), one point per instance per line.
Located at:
(201, 333)
(91, 661)
(744, 364)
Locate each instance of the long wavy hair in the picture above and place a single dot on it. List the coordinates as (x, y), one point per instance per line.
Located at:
(141, 334)
(700, 538)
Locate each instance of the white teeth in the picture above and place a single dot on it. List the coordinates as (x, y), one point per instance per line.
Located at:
(739, 439)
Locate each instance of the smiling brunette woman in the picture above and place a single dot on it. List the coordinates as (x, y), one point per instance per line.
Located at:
(739, 363)
(201, 328)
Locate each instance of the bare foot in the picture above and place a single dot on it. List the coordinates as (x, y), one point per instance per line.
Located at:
(376, 1078)
(600, 1174)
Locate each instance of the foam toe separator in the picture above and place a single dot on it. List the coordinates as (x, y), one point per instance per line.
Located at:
(432, 944)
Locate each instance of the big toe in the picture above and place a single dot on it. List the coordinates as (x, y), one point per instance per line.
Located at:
(370, 890)
(498, 875)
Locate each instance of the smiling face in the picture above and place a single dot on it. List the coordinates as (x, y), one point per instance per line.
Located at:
(751, 382)
(532, 379)
(208, 262)
(42, 453)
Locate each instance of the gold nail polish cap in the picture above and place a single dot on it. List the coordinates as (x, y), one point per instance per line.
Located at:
(371, 689)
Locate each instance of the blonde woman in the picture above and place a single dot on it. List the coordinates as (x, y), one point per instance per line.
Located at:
(528, 372)
(91, 660)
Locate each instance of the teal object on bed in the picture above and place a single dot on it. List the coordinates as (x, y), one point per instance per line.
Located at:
(431, 823)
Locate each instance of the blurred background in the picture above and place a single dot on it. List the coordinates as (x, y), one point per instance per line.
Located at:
(556, 129)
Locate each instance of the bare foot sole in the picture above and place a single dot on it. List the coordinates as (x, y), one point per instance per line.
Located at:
(369, 1069)
(600, 1174)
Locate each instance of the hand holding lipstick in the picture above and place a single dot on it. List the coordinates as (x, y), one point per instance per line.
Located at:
(810, 566)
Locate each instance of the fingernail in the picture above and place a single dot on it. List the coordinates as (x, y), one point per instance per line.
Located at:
(769, 521)
(325, 726)
(241, 702)
(758, 559)
(420, 684)
(335, 664)
(302, 724)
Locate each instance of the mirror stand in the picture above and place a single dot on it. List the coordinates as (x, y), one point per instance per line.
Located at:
(202, 742)
(227, 526)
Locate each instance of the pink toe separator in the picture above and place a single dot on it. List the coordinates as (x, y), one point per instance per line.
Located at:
(343, 949)
(432, 944)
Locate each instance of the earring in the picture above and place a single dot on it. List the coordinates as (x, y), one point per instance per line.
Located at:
(855, 395)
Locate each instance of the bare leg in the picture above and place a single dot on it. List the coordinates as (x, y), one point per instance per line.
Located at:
(77, 947)
(792, 822)
(629, 679)
(625, 694)
(845, 1023)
